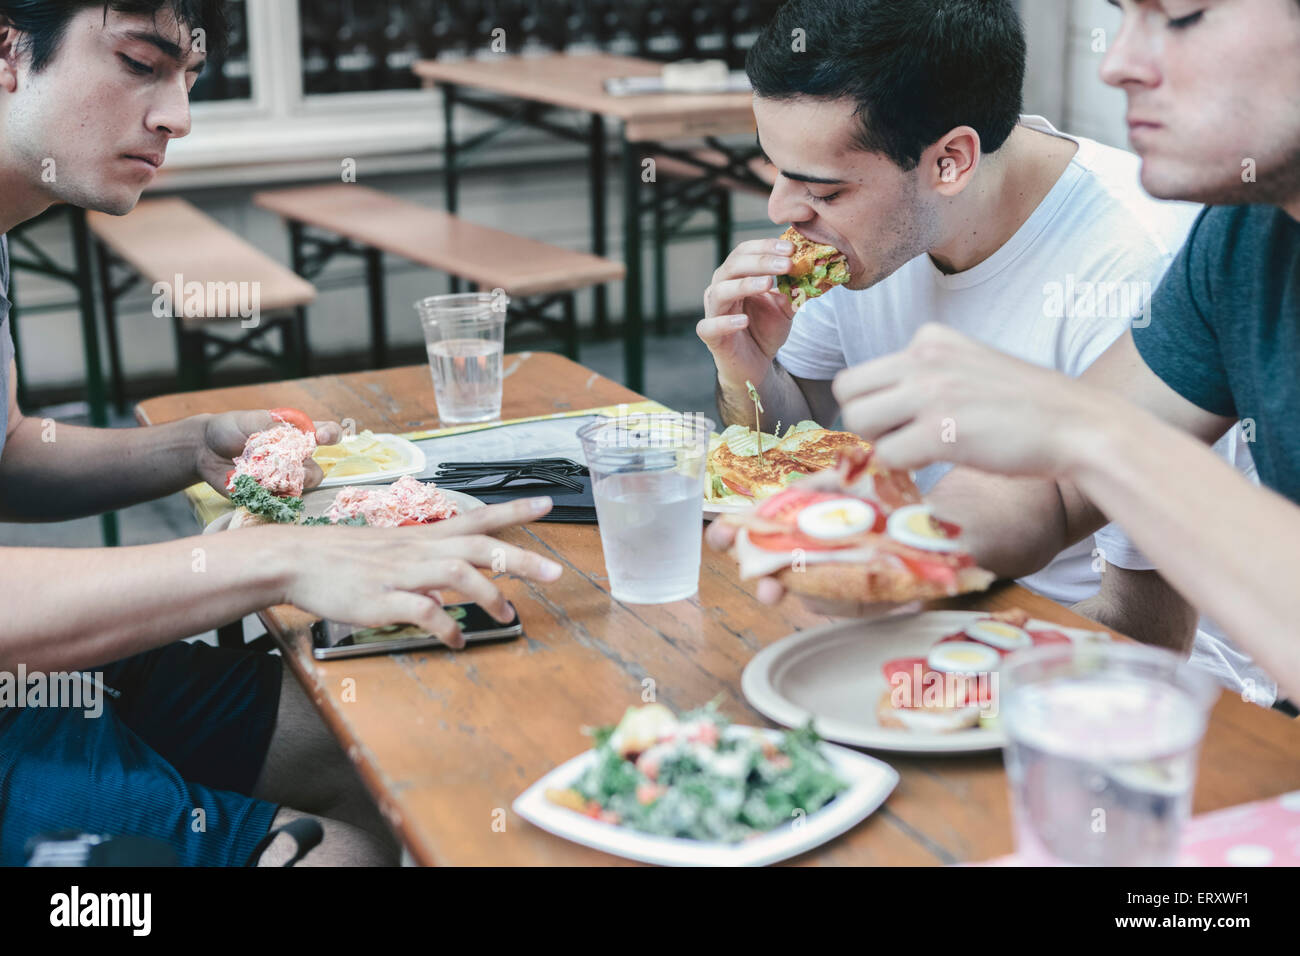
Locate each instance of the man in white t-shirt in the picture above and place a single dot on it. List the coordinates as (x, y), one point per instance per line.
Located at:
(901, 144)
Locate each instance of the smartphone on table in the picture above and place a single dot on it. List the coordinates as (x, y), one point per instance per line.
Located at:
(331, 639)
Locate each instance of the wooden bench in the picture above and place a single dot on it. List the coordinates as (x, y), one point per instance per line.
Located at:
(171, 242)
(357, 220)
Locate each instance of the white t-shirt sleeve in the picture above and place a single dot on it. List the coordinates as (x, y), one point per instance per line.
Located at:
(813, 350)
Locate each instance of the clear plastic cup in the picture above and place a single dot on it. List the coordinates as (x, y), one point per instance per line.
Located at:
(1101, 751)
(647, 477)
(465, 338)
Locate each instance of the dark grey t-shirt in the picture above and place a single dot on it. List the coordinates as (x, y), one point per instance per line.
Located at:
(6, 341)
(1225, 331)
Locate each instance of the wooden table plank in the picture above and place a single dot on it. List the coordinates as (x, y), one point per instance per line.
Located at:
(445, 741)
(577, 81)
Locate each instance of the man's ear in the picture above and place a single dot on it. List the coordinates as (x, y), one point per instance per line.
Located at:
(950, 163)
(9, 39)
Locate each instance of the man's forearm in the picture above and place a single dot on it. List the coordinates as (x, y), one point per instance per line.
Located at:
(73, 608)
(1013, 526)
(783, 401)
(1227, 544)
(51, 472)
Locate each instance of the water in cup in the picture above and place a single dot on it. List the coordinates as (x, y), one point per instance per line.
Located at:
(467, 379)
(650, 530)
(464, 334)
(1101, 769)
(647, 479)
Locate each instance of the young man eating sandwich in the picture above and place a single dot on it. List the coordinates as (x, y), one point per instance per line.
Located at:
(899, 141)
(101, 88)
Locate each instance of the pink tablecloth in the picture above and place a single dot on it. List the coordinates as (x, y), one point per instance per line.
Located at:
(1266, 833)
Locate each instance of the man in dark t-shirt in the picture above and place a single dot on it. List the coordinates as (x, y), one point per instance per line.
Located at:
(1212, 93)
(1225, 331)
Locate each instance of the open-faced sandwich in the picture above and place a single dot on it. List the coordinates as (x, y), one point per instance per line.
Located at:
(266, 485)
(953, 687)
(745, 465)
(406, 501)
(815, 267)
(859, 532)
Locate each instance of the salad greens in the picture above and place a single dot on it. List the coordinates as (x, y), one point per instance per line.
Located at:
(687, 777)
(247, 493)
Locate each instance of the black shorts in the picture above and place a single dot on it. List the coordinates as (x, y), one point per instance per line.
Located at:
(174, 757)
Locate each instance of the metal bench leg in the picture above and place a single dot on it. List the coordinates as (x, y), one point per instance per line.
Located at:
(597, 171)
(660, 263)
(301, 350)
(724, 224)
(378, 308)
(116, 379)
(189, 356)
(569, 304)
(20, 385)
(633, 329)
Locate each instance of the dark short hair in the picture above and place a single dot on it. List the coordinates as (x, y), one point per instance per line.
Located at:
(915, 68)
(44, 22)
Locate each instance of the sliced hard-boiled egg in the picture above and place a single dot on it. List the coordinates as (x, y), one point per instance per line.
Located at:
(963, 657)
(1003, 636)
(837, 518)
(914, 525)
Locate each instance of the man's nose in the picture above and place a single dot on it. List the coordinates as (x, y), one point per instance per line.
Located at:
(1129, 59)
(171, 115)
(785, 204)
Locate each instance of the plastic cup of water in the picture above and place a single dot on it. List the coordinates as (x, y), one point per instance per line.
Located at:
(465, 338)
(1101, 751)
(647, 478)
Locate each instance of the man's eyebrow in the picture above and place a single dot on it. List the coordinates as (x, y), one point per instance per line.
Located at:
(797, 177)
(168, 47)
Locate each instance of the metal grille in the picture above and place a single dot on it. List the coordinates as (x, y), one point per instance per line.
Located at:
(353, 46)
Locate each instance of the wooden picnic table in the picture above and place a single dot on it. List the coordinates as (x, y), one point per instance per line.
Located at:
(446, 741)
(543, 91)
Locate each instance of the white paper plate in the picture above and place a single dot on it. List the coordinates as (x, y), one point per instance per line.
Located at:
(317, 501)
(870, 782)
(411, 462)
(832, 674)
(712, 510)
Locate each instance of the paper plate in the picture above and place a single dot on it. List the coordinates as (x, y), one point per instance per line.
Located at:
(832, 674)
(411, 462)
(317, 501)
(870, 782)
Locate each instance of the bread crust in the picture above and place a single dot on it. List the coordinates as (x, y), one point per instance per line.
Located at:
(845, 581)
(944, 720)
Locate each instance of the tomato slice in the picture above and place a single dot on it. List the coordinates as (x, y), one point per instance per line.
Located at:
(1048, 637)
(785, 505)
(903, 665)
(229, 477)
(292, 416)
(738, 489)
(926, 569)
(789, 540)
